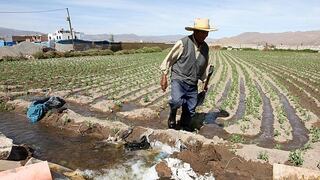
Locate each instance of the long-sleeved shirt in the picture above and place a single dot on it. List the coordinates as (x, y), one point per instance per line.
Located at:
(173, 56)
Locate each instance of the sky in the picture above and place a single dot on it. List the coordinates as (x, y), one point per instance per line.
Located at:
(162, 17)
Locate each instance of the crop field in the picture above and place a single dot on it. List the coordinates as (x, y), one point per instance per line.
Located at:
(272, 98)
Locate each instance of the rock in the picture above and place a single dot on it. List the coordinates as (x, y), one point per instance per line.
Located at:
(5, 146)
(19, 105)
(163, 170)
(142, 114)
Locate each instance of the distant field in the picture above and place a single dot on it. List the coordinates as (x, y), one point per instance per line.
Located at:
(270, 95)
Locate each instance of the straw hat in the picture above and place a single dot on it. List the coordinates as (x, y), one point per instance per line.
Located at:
(201, 24)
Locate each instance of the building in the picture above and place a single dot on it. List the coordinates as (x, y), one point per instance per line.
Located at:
(63, 35)
(6, 41)
(29, 38)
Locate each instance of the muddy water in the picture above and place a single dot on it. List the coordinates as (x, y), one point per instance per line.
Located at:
(299, 131)
(225, 92)
(61, 147)
(265, 138)
(85, 110)
(242, 104)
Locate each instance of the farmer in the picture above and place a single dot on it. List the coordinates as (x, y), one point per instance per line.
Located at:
(188, 62)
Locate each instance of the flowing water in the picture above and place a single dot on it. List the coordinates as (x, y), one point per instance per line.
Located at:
(90, 155)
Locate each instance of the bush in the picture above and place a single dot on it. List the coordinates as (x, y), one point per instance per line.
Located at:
(235, 138)
(106, 52)
(151, 49)
(3, 106)
(13, 58)
(90, 52)
(295, 157)
(39, 55)
(125, 51)
(249, 49)
(52, 54)
(315, 132)
(263, 156)
(148, 49)
(296, 50)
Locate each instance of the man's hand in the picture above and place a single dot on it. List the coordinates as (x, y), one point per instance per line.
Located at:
(164, 82)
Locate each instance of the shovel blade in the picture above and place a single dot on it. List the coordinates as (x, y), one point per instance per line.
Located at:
(200, 98)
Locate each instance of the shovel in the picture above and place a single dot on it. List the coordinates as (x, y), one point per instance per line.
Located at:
(202, 94)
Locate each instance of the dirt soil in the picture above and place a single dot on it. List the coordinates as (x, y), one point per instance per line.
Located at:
(223, 163)
(202, 158)
(205, 155)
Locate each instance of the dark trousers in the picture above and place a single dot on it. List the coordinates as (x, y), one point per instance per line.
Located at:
(185, 95)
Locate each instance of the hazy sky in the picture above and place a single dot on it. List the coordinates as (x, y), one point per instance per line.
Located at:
(163, 17)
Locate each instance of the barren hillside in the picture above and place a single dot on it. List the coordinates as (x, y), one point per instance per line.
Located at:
(285, 38)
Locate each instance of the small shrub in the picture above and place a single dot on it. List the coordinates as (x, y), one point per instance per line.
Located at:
(148, 50)
(66, 120)
(118, 103)
(115, 131)
(89, 124)
(68, 54)
(13, 58)
(106, 52)
(295, 157)
(39, 55)
(78, 53)
(52, 54)
(276, 133)
(263, 156)
(244, 127)
(315, 134)
(278, 146)
(236, 138)
(306, 146)
(146, 99)
(4, 107)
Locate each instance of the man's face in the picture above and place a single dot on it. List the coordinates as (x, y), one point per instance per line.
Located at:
(200, 36)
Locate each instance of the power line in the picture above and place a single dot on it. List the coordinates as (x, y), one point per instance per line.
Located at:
(24, 12)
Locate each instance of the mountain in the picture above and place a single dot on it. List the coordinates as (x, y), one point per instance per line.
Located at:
(136, 38)
(6, 32)
(311, 38)
(286, 38)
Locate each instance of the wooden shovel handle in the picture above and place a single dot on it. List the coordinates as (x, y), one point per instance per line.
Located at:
(209, 75)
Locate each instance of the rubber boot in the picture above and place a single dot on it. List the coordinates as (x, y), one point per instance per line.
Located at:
(185, 117)
(172, 119)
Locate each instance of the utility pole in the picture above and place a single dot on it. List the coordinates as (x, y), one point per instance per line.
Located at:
(69, 20)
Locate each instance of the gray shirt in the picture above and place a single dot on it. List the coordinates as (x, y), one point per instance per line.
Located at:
(196, 67)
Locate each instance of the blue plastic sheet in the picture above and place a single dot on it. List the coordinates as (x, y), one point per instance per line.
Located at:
(36, 111)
